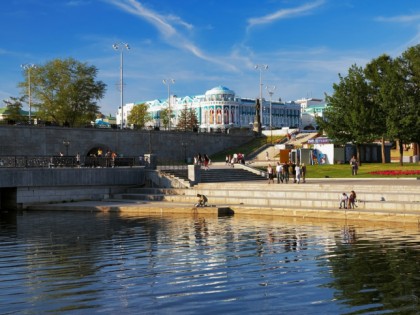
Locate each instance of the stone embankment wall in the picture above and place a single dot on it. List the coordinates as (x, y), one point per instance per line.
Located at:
(49, 141)
(20, 187)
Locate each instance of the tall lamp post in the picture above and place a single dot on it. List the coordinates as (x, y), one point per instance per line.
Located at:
(66, 144)
(270, 90)
(121, 46)
(261, 68)
(28, 67)
(168, 83)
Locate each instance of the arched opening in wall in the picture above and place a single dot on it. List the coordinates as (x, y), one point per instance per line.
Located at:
(99, 151)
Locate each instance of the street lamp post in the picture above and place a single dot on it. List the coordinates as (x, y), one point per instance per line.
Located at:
(121, 46)
(270, 90)
(261, 68)
(28, 68)
(168, 83)
(66, 144)
(184, 145)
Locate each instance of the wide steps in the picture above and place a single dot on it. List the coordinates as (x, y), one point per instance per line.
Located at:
(217, 175)
(278, 196)
(293, 191)
(278, 202)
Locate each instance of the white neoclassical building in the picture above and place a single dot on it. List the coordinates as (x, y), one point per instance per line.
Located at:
(219, 109)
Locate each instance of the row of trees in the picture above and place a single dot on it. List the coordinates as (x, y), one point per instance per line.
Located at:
(65, 92)
(379, 101)
(187, 120)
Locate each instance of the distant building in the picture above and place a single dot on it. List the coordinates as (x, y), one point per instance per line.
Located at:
(310, 109)
(219, 109)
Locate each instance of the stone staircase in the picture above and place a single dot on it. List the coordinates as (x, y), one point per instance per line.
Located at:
(219, 173)
(318, 199)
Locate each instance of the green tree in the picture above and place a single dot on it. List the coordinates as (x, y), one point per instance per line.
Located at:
(383, 79)
(165, 115)
(14, 108)
(187, 120)
(407, 130)
(350, 114)
(139, 116)
(65, 91)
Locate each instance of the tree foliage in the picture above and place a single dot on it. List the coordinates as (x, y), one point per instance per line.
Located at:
(65, 91)
(187, 120)
(14, 108)
(380, 101)
(165, 115)
(350, 115)
(139, 116)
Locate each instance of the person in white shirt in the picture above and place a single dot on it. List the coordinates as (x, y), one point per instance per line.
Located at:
(279, 171)
(343, 200)
(297, 170)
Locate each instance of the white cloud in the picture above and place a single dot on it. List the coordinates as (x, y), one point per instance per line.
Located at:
(168, 31)
(399, 18)
(285, 13)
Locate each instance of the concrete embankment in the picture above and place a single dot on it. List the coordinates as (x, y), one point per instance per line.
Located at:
(384, 200)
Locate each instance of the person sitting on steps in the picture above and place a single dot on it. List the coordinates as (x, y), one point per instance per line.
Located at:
(202, 201)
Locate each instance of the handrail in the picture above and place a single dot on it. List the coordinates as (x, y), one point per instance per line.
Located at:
(67, 161)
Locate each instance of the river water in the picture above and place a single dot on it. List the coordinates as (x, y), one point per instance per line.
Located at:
(96, 263)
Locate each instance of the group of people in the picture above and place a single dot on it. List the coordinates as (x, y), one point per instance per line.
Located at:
(232, 159)
(284, 172)
(203, 160)
(348, 201)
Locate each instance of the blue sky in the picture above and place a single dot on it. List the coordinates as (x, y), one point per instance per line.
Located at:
(202, 44)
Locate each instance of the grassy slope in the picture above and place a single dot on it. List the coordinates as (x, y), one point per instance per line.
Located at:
(344, 170)
(319, 171)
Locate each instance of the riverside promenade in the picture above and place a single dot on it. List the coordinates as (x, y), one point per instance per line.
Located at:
(381, 200)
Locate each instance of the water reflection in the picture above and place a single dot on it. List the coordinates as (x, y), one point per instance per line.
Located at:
(63, 262)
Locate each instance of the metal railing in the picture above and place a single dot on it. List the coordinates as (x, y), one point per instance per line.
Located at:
(67, 161)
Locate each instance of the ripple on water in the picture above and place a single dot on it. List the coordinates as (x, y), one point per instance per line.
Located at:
(61, 262)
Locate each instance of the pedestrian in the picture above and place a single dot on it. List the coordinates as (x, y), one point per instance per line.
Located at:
(293, 166)
(354, 165)
(286, 173)
(78, 159)
(206, 162)
(297, 171)
(267, 158)
(279, 172)
(270, 174)
(352, 200)
(343, 200)
(303, 172)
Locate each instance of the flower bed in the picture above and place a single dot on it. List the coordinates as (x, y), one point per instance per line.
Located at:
(396, 172)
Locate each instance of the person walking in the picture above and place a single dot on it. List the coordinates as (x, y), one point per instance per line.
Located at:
(297, 171)
(303, 172)
(354, 165)
(270, 173)
(352, 200)
(279, 172)
(286, 173)
(78, 159)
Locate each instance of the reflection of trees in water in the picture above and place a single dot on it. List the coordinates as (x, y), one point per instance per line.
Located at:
(383, 274)
(77, 241)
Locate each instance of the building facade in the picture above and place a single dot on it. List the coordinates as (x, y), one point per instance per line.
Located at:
(220, 109)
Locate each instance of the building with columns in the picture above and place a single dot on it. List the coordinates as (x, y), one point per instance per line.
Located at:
(220, 109)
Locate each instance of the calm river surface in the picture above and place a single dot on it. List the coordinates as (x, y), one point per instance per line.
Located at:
(95, 263)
